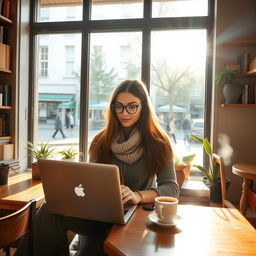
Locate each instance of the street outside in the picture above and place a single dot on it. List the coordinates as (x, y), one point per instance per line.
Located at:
(46, 131)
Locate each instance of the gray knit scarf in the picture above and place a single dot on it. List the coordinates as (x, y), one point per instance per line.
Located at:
(128, 151)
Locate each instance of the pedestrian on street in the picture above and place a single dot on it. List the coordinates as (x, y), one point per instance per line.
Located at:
(58, 125)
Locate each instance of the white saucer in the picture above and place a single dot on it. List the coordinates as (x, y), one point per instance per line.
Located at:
(153, 218)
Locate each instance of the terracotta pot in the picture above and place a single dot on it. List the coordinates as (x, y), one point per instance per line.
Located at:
(187, 171)
(36, 171)
(180, 174)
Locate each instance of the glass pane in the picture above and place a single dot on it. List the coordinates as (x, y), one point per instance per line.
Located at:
(178, 84)
(113, 58)
(179, 8)
(116, 9)
(59, 10)
(58, 90)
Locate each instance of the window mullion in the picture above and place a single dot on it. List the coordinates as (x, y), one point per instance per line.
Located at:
(84, 94)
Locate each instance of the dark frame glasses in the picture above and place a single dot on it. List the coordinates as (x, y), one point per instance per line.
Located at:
(132, 108)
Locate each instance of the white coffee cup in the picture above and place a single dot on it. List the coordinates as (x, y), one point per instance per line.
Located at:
(166, 208)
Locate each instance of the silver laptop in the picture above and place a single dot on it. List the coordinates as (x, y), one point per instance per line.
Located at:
(84, 190)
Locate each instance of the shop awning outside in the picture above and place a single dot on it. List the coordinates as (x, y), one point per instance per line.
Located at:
(176, 109)
(55, 97)
(70, 104)
(99, 106)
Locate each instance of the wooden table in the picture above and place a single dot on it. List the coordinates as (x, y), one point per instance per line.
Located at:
(248, 172)
(19, 190)
(202, 231)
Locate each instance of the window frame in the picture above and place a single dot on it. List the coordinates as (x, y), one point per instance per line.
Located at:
(144, 25)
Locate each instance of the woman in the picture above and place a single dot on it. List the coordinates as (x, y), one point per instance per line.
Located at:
(133, 140)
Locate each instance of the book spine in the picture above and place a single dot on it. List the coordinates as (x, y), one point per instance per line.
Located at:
(251, 94)
(6, 8)
(6, 95)
(254, 93)
(1, 4)
(246, 94)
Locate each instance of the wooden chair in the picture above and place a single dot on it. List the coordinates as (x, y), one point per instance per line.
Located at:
(225, 202)
(15, 225)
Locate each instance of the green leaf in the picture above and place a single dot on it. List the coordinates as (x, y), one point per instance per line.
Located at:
(226, 75)
(44, 150)
(202, 169)
(194, 137)
(69, 153)
(189, 158)
(207, 146)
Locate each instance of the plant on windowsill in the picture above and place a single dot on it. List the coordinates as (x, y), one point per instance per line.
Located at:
(42, 151)
(182, 167)
(229, 78)
(69, 154)
(212, 173)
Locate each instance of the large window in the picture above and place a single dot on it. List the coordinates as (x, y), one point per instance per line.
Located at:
(180, 8)
(163, 43)
(110, 63)
(103, 10)
(55, 93)
(178, 61)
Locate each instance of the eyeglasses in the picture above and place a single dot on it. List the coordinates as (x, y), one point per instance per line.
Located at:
(130, 108)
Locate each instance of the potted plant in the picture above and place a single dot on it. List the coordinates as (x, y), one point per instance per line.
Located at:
(184, 163)
(212, 173)
(69, 153)
(42, 151)
(229, 77)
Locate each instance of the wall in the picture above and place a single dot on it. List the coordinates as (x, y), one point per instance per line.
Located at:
(234, 129)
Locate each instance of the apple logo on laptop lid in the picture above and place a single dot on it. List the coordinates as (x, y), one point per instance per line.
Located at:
(79, 191)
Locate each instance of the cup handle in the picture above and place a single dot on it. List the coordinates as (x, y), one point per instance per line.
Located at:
(161, 211)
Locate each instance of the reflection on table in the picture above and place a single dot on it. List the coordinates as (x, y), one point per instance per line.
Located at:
(201, 231)
(20, 189)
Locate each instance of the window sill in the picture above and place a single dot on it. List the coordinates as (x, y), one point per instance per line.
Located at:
(194, 191)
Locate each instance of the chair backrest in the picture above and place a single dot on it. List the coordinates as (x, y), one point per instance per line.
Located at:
(16, 224)
(225, 202)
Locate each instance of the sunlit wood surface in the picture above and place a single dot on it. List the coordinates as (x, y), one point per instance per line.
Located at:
(19, 190)
(202, 231)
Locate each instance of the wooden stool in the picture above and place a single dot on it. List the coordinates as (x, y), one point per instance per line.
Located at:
(248, 172)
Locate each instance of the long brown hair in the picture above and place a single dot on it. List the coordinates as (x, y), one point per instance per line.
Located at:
(155, 142)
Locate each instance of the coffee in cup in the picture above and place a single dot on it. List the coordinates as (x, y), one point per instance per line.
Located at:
(166, 208)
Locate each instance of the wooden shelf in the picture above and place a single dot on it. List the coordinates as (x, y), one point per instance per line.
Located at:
(5, 70)
(250, 73)
(5, 138)
(5, 107)
(238, 105)
(240, 43)
(5, 20)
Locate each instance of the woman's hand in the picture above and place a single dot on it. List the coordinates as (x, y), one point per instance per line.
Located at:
(130, 196)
